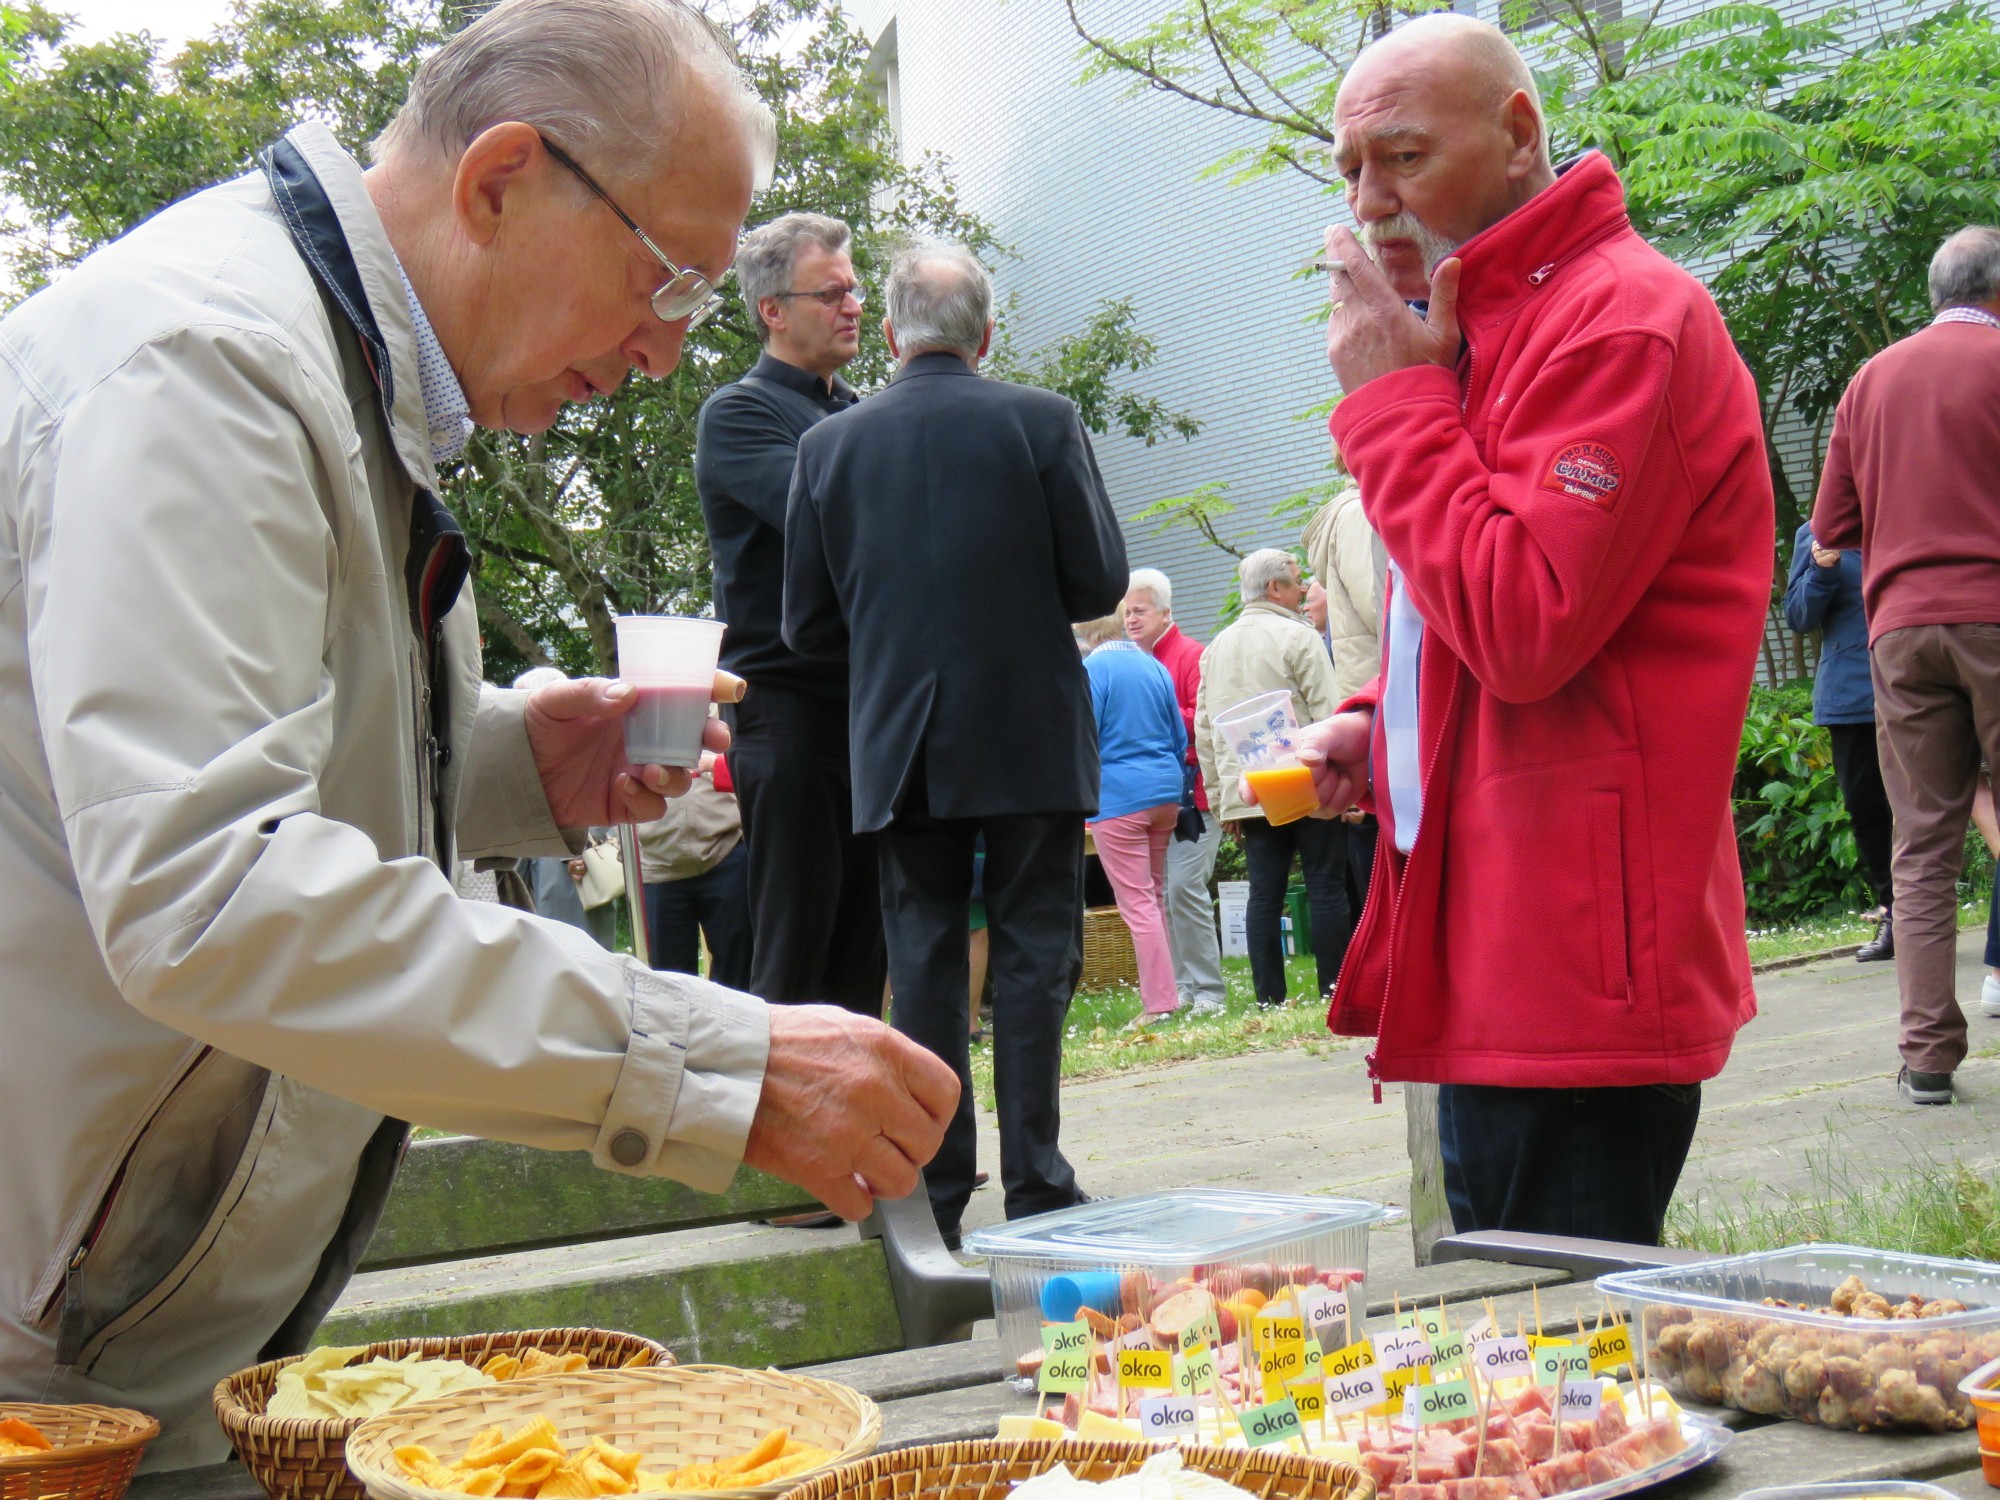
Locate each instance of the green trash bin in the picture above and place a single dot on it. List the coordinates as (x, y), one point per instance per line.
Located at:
(1295, 908)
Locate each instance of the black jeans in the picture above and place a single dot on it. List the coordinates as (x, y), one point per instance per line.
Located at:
(1600, 1163)
(815, 898)
(717, 903)
(1321, 845)
(1857, 766)
(1034, 920)
(1360, 863)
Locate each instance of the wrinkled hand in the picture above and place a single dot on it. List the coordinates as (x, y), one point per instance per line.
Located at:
(576, 731)
(1371, 331)
(850, 1109)
(1824, 557)
(1335, 750)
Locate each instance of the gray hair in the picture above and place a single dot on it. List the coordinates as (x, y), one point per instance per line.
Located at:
(1261, 569)
(939, 297)
(606, 80)
(1156, 583)
(770, 252)
(1966, 268)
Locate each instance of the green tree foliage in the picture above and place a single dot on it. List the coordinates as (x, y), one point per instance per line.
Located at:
(597, 516)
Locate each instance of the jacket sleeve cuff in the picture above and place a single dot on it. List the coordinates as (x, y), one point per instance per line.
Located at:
(688, 1088)
(502, 809)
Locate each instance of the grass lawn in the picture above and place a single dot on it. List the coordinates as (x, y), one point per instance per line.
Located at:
(1096, 1043)
(1835, 930)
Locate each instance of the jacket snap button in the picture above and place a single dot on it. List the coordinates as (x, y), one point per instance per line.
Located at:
(628, 1148)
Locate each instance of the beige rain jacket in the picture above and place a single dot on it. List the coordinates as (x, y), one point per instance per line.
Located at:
(1266, 648)
(1348, 559)
(227, 950)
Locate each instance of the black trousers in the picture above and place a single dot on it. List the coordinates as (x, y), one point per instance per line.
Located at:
(1600, 1163)
(1034, 923)
(815, 902)
(1321, 847)
(715, 902)
(1857, 766)
(1360, 863)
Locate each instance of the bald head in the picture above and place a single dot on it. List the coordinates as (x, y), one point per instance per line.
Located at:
(1438, 135)
(1474, 55)
(940, 298)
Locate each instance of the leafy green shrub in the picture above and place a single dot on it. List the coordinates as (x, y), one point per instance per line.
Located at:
(1792, 833)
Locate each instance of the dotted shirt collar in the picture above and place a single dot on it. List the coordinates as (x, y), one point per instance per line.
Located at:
(446, 414)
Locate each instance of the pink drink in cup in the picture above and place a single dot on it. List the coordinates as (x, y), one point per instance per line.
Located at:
(670, 661)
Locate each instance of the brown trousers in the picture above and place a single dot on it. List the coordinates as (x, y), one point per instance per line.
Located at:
(1937, 708)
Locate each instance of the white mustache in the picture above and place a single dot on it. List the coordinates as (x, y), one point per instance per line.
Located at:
(1432, 246)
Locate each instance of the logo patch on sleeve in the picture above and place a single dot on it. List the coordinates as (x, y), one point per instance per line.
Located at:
(1589, 471)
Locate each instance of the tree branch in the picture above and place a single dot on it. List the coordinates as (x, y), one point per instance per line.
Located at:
(1156, 79)
(499, 620)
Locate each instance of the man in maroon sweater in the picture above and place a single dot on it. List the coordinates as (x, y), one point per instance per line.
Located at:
(1912, 477)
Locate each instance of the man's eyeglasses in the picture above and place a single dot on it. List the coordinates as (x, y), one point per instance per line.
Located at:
(831, 298)
(686, 293)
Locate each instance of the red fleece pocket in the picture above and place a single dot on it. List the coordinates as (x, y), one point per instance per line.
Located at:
(1589, 471)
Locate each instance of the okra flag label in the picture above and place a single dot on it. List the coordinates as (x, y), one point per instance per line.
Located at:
(1554, 1362)
(1325, 1310)
(1499, 1358)
(1145, 1369)
(1358, 1355)
(1315, 1361)
(1168, 1416)
(1309, 1396)
(1581, 1402)
(1276, 1422)
(1610, 1348)
(1402, 1349)
(1203, 1330)
(1065, 1358)
(1432, 1323)
(1447, 1348)
(1199, 1368)
(1272, 1333)
(1447, 1401)
(1355, 1391)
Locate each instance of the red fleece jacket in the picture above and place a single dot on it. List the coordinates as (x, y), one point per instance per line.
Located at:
(1582, 513)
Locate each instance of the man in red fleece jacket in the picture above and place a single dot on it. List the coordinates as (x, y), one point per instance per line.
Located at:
(1564, 459)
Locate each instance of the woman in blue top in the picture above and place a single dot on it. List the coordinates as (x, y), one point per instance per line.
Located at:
(1142, 748)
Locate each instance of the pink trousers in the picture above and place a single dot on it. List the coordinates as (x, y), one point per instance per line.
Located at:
(1133, 850)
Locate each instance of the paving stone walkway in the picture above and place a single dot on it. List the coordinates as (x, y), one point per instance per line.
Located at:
(1812, 1075)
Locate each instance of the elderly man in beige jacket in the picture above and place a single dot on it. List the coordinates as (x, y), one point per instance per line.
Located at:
(1271, 646)
(243, 733)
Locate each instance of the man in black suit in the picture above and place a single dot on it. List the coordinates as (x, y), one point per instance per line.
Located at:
(815, 907)
(940, 538)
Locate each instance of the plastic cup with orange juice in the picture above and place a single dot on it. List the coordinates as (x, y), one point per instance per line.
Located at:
(1263, 734)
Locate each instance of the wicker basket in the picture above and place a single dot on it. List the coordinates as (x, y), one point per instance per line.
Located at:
(988, 1470)
(1108, 955)
(96, 1450)
(305, 1458)
(690, 1414)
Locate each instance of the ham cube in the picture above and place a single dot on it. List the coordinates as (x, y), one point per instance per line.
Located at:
(1563, 1473)
(1538, 1440)
(1533, 1398)
(1503, 1456)
(1579, 1437)
(1523, 1487)
(1386, 1469)
(1602, 1466)
(1611, 1423)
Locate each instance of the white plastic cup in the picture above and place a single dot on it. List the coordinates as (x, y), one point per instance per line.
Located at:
(670, 661)
(1262, 732)
(1263, 735)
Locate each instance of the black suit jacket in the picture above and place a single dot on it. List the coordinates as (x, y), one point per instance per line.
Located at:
(940, 538)
(745, 442)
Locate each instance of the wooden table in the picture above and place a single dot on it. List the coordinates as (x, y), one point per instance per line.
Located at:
(955, 1392)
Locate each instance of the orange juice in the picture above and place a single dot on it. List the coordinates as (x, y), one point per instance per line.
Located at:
(1989, 1444)
(1286, 794)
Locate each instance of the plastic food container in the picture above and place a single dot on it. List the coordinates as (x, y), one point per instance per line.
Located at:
(1982, 1389)
(1708, 1331)
(1131, 1262)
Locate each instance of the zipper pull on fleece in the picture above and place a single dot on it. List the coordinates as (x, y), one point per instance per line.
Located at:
(1537, 277)
(1374, 1078)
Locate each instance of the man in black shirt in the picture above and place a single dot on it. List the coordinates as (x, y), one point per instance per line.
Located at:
(815, 901)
